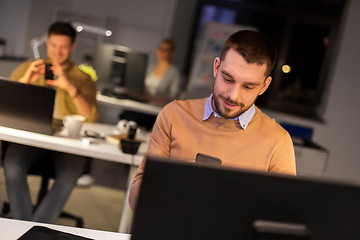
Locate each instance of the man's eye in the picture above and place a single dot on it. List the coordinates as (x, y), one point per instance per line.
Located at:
(248, 86)
(228, 79)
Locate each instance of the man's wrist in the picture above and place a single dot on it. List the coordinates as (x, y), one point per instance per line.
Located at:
(74, 92)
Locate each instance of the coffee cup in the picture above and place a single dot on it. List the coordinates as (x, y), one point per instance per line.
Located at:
(73, 125)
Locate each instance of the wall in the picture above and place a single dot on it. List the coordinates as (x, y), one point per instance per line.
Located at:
(13, 16)
(142, 27)
(138, 24)
(340, 133)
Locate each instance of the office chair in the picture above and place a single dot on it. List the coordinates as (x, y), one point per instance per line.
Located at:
(44, 169)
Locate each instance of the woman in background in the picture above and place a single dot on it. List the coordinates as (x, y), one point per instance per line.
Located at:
(162, 82)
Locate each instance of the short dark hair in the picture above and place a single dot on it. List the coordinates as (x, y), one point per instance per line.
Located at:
(62, 28)
(170, 42)
(254, 47)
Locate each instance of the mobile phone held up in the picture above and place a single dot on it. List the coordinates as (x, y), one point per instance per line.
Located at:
(49, 75)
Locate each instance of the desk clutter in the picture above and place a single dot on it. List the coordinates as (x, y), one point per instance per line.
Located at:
(125, 135)
(127, 145)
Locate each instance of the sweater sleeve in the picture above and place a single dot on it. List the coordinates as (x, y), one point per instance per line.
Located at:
(159, 145)
(283, 159)
(88, 91)
(20, 71)
(86, 87)
(160, 139)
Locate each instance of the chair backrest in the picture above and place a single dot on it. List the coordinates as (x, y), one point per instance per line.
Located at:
(3, 148)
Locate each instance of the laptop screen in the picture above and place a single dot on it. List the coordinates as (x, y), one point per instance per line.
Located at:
(183, 200)
(26, 107)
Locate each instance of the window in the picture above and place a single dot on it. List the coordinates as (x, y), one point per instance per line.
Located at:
(304, 33)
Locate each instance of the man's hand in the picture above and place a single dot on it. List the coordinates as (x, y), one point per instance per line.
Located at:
(61, 80)
(34, 72)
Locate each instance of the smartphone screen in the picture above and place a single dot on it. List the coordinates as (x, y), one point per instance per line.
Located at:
(204, 158)
(49, 75)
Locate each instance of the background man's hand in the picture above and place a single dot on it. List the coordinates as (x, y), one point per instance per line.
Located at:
(61, 80)
(34, 72)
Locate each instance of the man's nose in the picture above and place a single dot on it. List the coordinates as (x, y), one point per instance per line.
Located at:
(57, 51)
(234, 93)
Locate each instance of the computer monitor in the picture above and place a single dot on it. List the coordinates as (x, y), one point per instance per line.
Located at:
(120, 67)
(183, 200)
(26, 106)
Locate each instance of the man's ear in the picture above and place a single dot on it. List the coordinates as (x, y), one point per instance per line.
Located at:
(265, 85)
(216, 65)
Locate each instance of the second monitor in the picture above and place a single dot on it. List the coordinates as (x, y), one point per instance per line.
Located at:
(121, 70)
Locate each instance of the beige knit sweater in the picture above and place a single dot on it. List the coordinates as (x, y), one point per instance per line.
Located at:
(180, 132)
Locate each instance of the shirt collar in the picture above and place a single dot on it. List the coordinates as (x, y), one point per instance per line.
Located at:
(244, 119)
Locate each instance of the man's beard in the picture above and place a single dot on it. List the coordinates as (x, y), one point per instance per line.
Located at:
(223, 114)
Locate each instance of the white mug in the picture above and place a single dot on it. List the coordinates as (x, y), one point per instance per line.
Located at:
(73, 125)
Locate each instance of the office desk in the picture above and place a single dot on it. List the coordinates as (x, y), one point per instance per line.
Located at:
(13, 229)
(101, 149)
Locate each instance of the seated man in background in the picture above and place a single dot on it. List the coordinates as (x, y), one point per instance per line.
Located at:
(227, 124)
(75, 94)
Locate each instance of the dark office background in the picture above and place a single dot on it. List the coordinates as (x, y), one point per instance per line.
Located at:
(142, 27)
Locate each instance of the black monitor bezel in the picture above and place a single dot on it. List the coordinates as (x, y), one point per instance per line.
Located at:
(183, 200)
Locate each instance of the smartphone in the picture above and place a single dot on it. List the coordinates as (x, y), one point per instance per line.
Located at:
(204, 158)
(49, 75)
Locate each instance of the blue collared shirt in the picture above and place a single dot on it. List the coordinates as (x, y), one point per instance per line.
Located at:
(244, 119)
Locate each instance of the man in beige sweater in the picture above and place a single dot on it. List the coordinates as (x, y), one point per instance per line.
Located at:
(227, 125)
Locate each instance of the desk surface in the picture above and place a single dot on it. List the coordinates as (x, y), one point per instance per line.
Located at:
(13, 229)
(100, 149)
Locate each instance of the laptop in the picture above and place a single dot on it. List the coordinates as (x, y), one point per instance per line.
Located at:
(184, 200)
(26, 106)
